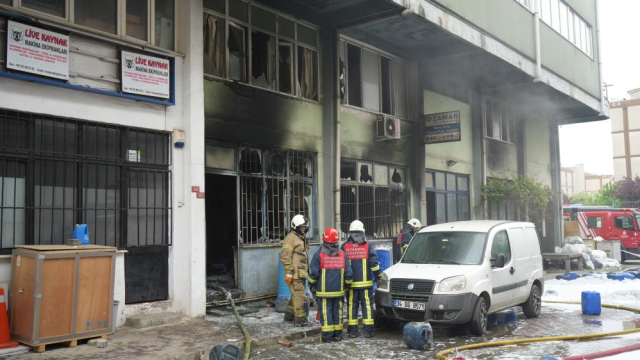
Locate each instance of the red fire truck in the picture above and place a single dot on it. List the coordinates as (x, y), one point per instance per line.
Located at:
(608, 223)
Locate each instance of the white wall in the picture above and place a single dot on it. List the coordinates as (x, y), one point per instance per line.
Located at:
(538, 149)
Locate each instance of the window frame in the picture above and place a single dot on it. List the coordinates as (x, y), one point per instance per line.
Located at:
(513, 121)
(507, 261)
(249, 28)
(446, 191)
(598, 220)
(121, 14)
(345, 41)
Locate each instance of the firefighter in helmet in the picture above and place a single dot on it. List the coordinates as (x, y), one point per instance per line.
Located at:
(364, 262)
(295, 259)
(329, 277)
(411, 228)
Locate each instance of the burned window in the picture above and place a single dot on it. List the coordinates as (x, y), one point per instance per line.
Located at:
(214, 46)
(374, 194)
(263, 60)
(354, 87)
(237, 44)
(500, 120)
(285, 66)
(307, 73)
(65, 172)
(275, 185)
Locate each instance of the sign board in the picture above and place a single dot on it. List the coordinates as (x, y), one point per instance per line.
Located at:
(37, 51)
(442, 127)
(145, 75)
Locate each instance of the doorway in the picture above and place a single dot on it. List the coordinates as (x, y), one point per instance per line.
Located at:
(221, 228)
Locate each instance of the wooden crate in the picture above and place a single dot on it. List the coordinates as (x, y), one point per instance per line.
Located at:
(61, 293)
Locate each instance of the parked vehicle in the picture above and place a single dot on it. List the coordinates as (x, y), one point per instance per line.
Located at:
(459, 273)
(610, 224)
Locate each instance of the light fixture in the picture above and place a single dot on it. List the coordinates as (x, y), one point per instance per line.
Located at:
(451, 162)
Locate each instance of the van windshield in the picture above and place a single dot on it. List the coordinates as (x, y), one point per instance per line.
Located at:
(459, 248)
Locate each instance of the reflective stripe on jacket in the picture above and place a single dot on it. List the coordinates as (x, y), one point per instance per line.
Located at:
(364, 262)
(329, 274)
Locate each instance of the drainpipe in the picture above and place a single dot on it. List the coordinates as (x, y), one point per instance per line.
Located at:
(536, 21)
(599, 55)
(336, 105)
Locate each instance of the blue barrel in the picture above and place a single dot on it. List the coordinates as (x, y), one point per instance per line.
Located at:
(591, 304)
(81, 232)
(384, 256)
(418, 335)
(284, 294)
(620, 276)
(568, 276)
(638, 275)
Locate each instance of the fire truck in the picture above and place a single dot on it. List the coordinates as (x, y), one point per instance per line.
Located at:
(610, 224)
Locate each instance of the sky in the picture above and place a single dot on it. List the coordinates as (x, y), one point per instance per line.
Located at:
(590, 143)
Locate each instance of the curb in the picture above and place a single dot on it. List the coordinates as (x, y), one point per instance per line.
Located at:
(195, 354)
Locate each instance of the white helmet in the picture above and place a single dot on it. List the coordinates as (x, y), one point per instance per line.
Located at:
(356, 225)
(415, 223)
(299, 220)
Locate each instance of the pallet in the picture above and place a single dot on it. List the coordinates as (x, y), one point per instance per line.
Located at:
(40, 348)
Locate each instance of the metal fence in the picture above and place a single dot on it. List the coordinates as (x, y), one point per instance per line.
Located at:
(57, 172)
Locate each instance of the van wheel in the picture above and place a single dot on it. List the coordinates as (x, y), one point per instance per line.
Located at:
(478, 323)
(533, 306)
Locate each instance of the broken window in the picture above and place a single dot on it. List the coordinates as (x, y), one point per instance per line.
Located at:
(500, 121)
(373, 81)
(263, 60)
(307, 73)
(237, 51)
(275, 185)
(376, 197)
(285, 66)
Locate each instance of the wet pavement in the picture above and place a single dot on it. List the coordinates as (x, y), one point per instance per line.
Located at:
(555, 320)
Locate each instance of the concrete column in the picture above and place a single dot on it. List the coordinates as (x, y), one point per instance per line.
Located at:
(478, 138)
(416, 195)
(327, 155)
(187, 259)
(557, 224)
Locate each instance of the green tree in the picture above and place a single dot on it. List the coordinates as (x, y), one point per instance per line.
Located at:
(605, 197)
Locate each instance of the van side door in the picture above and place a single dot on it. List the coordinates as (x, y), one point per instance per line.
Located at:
(502, 278)
(522, 264)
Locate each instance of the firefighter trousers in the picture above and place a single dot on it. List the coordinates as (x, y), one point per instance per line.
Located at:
(330, 317)
(296, 308)
(361, 299)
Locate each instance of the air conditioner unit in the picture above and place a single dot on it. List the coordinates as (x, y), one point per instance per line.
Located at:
(387, 128)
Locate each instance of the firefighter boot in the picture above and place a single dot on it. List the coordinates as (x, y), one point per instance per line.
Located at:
(367, 331)
(353, 331)
(301, 322)
(288, 317)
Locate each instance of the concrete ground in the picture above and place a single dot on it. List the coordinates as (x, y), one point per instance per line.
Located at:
(187, 340)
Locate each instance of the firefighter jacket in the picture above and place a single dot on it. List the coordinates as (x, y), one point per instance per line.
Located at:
(405, 237)
(329, 274)
(295, 256)
(364, 262)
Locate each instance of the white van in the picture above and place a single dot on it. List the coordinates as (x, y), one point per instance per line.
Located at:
(459, 273)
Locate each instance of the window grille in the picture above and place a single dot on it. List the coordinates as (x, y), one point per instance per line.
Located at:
(57, 172)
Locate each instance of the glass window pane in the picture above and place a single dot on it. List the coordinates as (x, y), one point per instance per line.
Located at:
(285, 66)
(463, 183)
(214, 48)
(354, 85)
(54, 195)
(165, 24)
(452, 207)
(429, 180)
(52, 7)
(583, 36)
(563, 20)
(6, 2)
(505, 123)
(441, 209)
(12, 202)
(440, 182)
(263, 60)
(99, 15)
(400, 89)
(263, 18)
(576, 23)
(546, 11)
(555, 15)
(451, 182)
(307, 35)
(371, 80)
(488, 117)
(497, 121)
(307, 73)
(137, 14)
(215, 5)
(385, 70)
(237, 53)
(464, 206)
(570, 25)
(286, 27)
(239, 10)
(501, 246)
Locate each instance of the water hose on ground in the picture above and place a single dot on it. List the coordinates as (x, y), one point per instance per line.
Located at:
(247, 336)
(442, 355)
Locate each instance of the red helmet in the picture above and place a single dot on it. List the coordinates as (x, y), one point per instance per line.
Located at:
(331, 235)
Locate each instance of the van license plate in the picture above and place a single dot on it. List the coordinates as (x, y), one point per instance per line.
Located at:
(409, 305)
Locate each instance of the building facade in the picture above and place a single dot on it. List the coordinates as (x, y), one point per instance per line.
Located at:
(375, 110)
(575, 180)
(625, 132)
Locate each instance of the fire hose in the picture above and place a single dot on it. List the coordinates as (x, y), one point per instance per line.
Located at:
(442, 355)
(247, 336)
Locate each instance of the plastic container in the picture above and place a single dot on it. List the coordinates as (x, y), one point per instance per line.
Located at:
(568, 276)
(620, 276)
(418, 335)
(81, 232)
(384, 256)
(591, 304)
(283, 295)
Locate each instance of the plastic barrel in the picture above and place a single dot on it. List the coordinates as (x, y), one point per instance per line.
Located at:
(568, 276)
(284, 294)
(591, 303)
(81, 232)
(384, 256)
(418, 335)
(620, 276)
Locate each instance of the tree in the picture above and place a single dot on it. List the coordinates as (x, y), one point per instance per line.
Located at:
(535, 202)
(605, 197)
(628, 190)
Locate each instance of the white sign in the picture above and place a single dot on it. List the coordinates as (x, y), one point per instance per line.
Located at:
(37, 51)
(145, 75)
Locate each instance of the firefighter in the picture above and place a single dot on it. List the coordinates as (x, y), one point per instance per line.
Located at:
(364, 262)
(411, 228)
(295, 259)
(330, 276)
